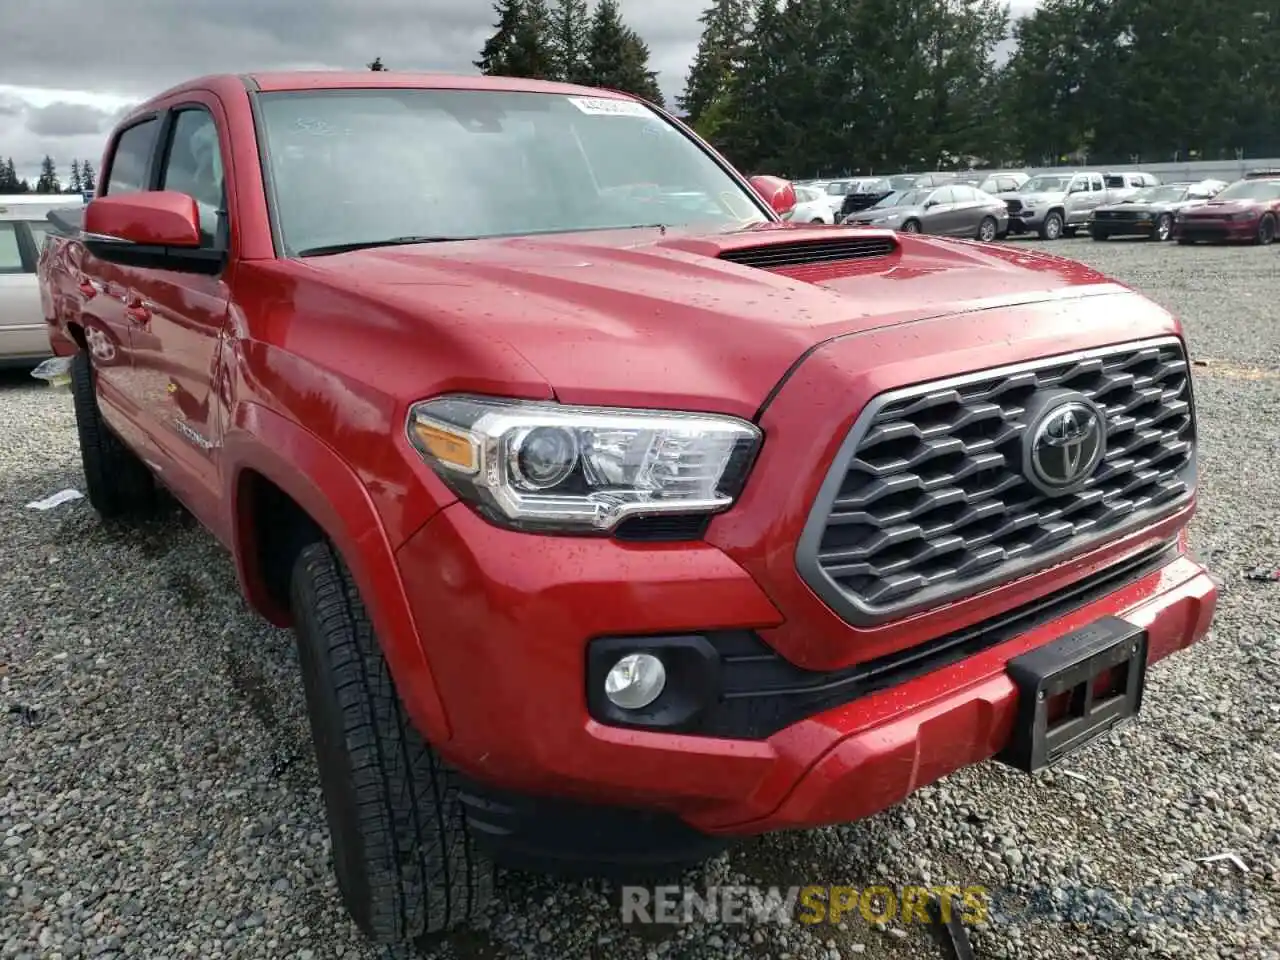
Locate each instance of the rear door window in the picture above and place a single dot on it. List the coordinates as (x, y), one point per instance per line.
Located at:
(10, 252)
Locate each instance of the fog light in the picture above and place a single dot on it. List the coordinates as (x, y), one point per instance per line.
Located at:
(635, 681)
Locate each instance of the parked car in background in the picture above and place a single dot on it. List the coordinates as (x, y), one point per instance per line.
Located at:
(1056, 204)
(993, 182)
(1128, 182)
(836, 190)
(1150, 211)
(24, 338)
(909, 181)
(812, 206)
(952, 210)
(1248, 209)
(999, 184)
(866, 193)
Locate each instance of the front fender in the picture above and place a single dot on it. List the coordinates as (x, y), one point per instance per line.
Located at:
(330, 492)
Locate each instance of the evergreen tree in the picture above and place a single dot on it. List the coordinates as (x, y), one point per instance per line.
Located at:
(637, 78)
(618, 57)
(496, 55)
(567, 36)
(8, 177)
(750, 121)
(74, 185)
(88, 179)
(376, 65)
(48, 182)
(531, 54)
(725, 32)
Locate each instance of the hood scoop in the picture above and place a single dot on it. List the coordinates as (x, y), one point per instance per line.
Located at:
(802, 253)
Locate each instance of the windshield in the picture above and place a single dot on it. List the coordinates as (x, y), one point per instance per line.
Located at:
(1049, 183)
(363, 166)
(839, 188)
(1251, 190)
(904, 198)
(1165, 194)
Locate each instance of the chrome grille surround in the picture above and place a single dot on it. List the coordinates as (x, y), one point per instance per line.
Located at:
(926, 502)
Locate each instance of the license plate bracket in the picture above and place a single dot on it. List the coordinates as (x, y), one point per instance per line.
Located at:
(1068, 671)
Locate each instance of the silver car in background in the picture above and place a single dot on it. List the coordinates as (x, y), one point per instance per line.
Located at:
(24, 338)
(951, 210)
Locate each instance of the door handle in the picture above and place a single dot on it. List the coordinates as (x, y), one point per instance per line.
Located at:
(135, 308)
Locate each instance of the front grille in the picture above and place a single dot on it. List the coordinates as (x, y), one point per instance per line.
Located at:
(927, 500)
(1013, 205)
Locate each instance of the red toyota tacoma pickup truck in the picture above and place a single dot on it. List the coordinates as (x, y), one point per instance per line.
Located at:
(617, 517)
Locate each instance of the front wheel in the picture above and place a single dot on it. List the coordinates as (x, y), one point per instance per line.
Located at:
(117, 481)
(911, 226)
(404, 859)
(988, 229)
(1099, 234)
(1266, 230)
(1164, 228)
(1051, 229)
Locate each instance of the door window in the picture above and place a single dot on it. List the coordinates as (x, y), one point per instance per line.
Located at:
(193, 165)
(1097, 184)
(132, 159)
(10, 252)
(962, 194)
(944, 195)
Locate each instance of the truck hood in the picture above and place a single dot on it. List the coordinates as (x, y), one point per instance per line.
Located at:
(1216, 208)
(1032, 199)
(645, 316)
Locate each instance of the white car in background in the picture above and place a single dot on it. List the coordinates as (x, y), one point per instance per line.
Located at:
(24, 338)
(812, 206)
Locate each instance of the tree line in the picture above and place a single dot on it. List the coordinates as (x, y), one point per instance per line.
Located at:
(859, 86)
(82, 178)
(565, 40)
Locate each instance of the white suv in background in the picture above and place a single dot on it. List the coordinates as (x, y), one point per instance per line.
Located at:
(24, 339)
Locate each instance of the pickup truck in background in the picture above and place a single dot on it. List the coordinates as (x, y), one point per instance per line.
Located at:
(613, 526)
(1054, 205)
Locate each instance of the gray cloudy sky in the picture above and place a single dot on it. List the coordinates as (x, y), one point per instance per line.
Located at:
(71, 70)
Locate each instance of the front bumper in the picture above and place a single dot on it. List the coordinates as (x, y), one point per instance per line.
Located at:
(1220, 230)
(506, 620)
(1025, 222)
(1139, 227)
(507, 631)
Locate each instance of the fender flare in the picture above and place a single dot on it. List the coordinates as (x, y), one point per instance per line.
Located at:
(323, 485)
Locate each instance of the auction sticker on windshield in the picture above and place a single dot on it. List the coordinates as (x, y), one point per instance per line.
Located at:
(608, 107)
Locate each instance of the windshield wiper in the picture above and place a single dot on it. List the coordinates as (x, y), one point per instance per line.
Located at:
(369, 244)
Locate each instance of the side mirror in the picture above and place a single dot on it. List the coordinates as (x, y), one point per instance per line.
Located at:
(930, 203)
(155, 228)
(779, 194)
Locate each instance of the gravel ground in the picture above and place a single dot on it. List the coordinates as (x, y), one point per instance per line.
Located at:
(158, 795)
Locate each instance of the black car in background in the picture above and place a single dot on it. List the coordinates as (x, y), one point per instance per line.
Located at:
(863, 194)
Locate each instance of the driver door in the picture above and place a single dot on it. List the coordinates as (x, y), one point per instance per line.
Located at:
(179, 319)
(938, 214)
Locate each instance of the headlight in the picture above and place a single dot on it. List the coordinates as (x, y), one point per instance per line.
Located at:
(546, 466)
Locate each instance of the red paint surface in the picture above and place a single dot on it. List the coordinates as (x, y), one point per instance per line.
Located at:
(302, 372)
